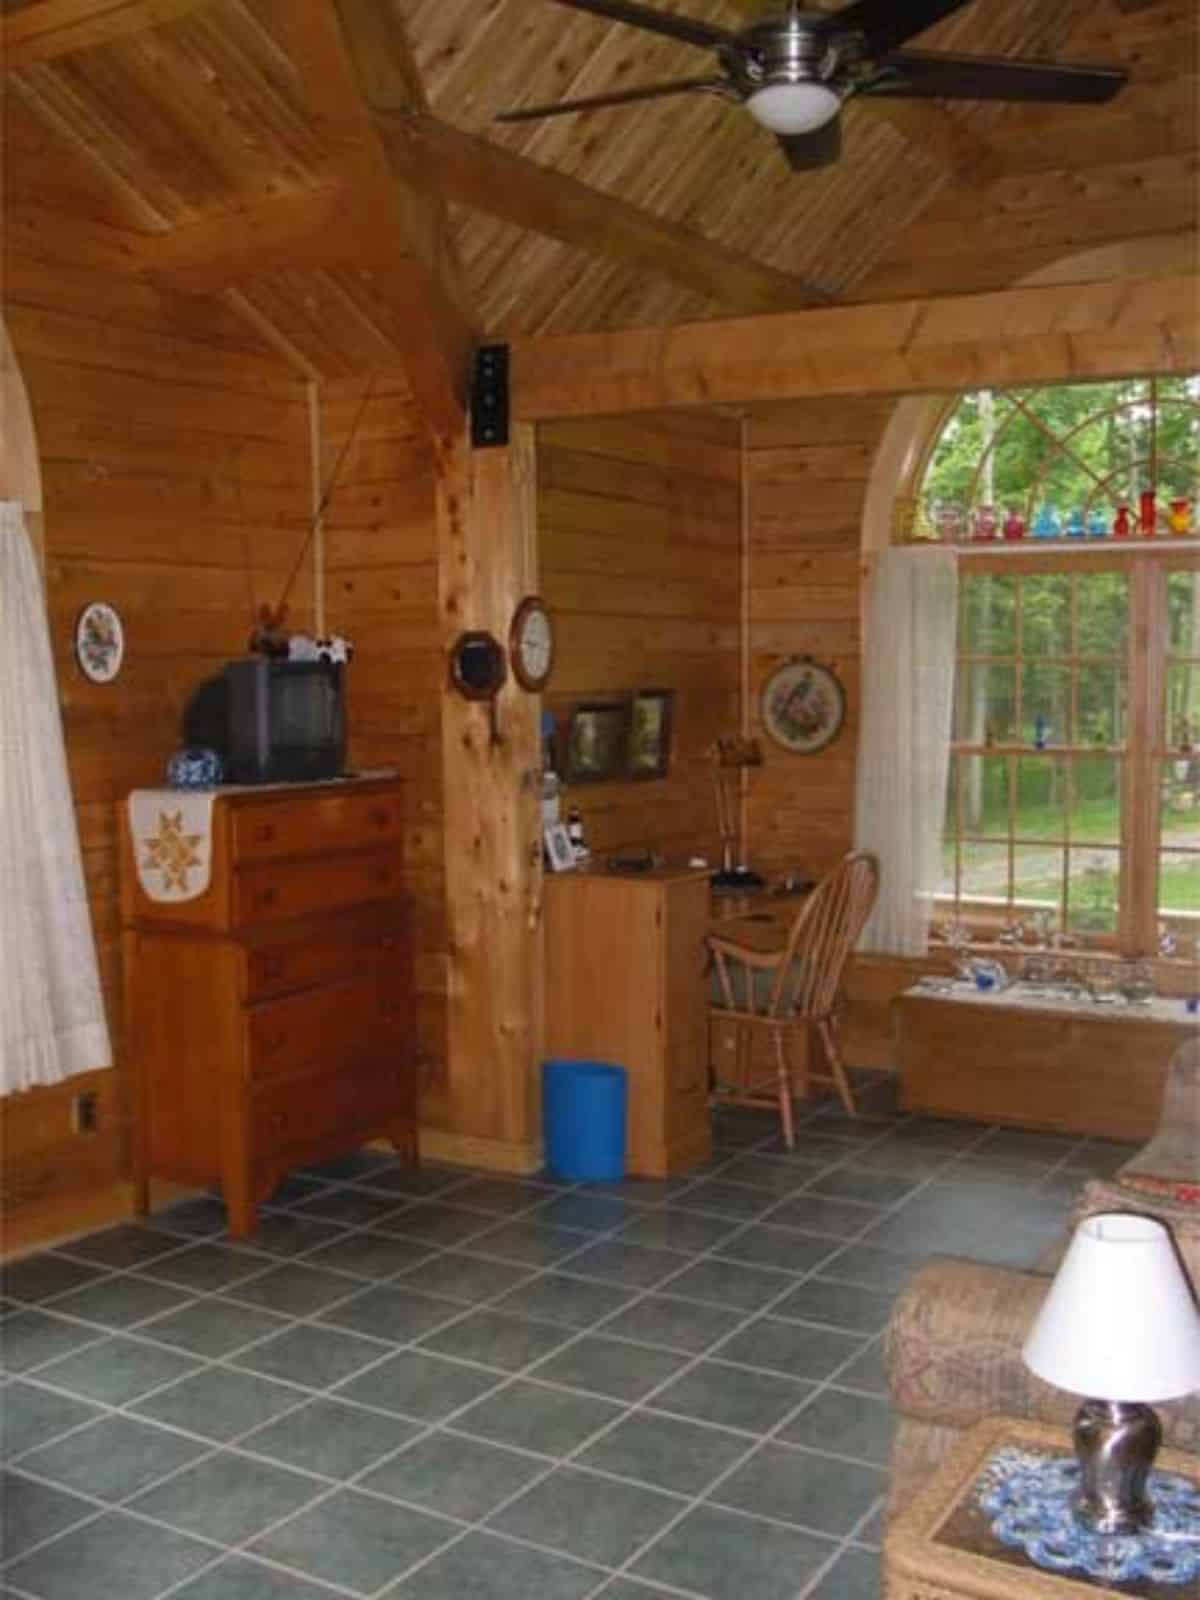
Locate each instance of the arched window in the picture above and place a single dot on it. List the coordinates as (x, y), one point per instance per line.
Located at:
(1074, 798)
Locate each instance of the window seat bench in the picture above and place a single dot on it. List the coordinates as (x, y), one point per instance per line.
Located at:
(1035, 1060)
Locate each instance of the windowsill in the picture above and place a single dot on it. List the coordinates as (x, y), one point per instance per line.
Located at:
(1163, 543)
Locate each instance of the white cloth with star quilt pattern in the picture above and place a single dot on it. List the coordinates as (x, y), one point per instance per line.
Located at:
(171, 831)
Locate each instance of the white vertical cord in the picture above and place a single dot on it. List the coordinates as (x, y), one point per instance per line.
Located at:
(312, 389)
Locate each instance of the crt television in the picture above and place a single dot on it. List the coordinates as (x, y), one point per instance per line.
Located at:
(285, 720)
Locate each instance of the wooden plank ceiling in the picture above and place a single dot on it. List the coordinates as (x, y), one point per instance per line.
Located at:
(329, 172)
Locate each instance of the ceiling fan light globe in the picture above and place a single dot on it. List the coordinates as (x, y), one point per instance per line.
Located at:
(793, 107)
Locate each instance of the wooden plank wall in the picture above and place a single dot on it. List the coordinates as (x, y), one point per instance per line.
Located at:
(174, 471)
(381, 593)
(640, 530)
(807, 464)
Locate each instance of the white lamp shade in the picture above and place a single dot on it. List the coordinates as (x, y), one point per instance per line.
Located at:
(1120, 1321)
(793, 107)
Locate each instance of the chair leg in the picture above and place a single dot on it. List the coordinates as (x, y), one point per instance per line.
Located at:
(785, 1090)
(837, 1066)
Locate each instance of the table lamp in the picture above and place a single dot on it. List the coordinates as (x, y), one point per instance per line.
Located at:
(730, 755)
(1120, 1326)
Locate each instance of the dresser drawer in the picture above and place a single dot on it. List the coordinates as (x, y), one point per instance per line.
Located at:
(317, 822)
(286, 1116)
(284, 967)
(275, 892)
(325, 1028)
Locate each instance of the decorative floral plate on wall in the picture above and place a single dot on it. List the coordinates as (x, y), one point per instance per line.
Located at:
(803, 706)
(99, 642)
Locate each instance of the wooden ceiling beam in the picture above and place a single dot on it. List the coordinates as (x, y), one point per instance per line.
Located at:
(312, 228)
(339, 48)
(44, 29)
(1032, 335)
(475, 173)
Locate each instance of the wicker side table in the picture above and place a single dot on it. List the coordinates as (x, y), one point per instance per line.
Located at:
(941, 1548)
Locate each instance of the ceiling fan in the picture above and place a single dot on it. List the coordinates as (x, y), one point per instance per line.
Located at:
(794, 71)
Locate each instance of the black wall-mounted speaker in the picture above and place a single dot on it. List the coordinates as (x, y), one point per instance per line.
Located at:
(489, 396)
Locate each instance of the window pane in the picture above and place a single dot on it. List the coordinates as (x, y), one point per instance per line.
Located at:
(1183, 607)
(1041, 798)
(1046, 616)
(1181, 723)
(1038, 882)
(1101, 614)
(1180, 812)
(1179, 896)
(1095, 801)
(985, 873)
(985, 707)
(984, 797)
(987, 616)
(1093, 891)
(1045, 704)
(1100, 703)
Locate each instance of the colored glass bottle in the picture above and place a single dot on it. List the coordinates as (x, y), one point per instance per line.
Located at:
(985, 524)
(1097, 524)
(1147, 514)
(1047, 524)
(1122, 527)
(1179, 516)
(1076, 526)
(1014, 525)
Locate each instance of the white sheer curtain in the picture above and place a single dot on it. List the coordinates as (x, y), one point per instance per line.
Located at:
(52, 1021)
(904, 738)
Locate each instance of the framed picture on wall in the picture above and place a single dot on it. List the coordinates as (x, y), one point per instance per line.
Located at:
(650, 733)
(596, 741)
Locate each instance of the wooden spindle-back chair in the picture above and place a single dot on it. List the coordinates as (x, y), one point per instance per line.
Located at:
(793, 985)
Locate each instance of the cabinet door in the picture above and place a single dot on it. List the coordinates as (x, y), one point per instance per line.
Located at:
(686, 998)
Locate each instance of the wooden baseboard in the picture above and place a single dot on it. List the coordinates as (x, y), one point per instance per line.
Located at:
(463, 1149)
(42, 1224)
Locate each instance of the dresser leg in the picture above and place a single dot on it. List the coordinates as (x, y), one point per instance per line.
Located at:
(240, 1209)
(404, 1141)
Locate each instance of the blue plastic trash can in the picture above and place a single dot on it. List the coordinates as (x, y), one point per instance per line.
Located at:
(583, 1118)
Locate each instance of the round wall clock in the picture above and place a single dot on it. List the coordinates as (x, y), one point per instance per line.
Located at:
(99, 642)
(803, 706)
(531, 644)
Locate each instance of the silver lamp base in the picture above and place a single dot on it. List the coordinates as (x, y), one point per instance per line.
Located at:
(1116, 1442)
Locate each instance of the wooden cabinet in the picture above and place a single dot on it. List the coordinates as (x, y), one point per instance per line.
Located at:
(270, 1019)
(625, 983)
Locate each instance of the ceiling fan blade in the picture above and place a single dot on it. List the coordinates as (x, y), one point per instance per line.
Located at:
(885, 24)
(916, 74)
(808, 151)
(619, 97)
(705, 34)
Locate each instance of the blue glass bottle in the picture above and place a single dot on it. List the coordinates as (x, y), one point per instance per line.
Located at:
(1076, 526)
(1047, 524)
(1097, 524)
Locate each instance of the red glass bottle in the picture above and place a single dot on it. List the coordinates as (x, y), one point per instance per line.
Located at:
(1014, 525)
(1146, 514)
(1122, 527)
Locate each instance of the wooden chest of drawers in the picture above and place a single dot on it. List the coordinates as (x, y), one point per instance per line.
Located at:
(270, 1019)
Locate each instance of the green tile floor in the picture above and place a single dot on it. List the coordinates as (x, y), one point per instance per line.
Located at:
(443, 1385)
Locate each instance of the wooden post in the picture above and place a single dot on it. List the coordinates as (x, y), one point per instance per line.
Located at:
(488, 1109)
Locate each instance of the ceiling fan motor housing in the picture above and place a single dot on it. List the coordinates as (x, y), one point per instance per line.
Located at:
(797, 48)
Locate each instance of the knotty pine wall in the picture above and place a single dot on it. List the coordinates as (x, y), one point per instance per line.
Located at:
(807, 464)
(639, 524)
(381, 593)
(173, 457)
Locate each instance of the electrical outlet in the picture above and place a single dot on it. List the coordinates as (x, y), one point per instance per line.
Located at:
(85, 1113)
